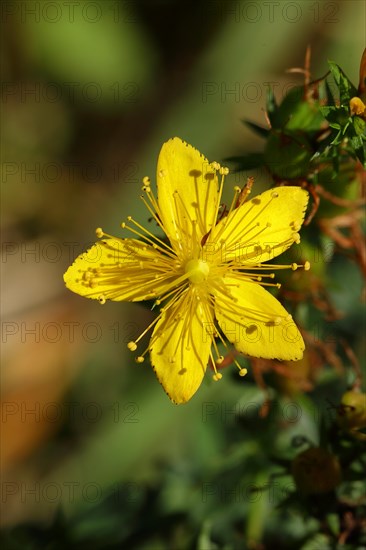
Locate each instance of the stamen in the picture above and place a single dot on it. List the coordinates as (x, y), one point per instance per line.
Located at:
(217, 375)
(234, 202)
(151, 239)
(132, 346)
(242, 371)
(99, 232)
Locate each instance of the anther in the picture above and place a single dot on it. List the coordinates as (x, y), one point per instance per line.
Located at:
(307, 266)
(274, 195)
(217, 376)
(101, 299)
(277, 321)
(99, 232)
(87, 275)
(219, 360)
(140, 359)
(294, 266)
(215, 165)
(146, 181)
(224, 170)
(132, 346)
(296, 238)
(243, 372)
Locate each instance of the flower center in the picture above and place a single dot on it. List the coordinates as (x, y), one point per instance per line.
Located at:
(197, 271)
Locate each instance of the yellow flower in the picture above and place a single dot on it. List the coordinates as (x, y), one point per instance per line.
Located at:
(209, 275)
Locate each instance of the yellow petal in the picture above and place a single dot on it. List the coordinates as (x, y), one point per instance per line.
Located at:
(180, 347)
(187, 191)
(255, 322)
(120, 269)
(261, 228)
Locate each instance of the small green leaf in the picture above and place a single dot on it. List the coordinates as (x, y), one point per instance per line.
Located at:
(346, 89)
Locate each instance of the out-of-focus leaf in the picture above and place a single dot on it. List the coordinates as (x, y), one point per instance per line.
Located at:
(246, 162)
(318, 542)
(259, 130)
(98, 58)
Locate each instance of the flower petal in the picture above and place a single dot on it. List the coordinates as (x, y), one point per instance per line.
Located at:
(180, 347)
(255, 322)
(120, 269)
(187, 190)
(261, 228)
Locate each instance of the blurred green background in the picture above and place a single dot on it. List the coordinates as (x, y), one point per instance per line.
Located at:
(90, 91)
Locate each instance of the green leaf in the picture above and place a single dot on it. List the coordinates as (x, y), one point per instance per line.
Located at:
(259, 130)
(359, 125)
(346, 89)
(272, 108)
(329, 94)
(305, 117)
